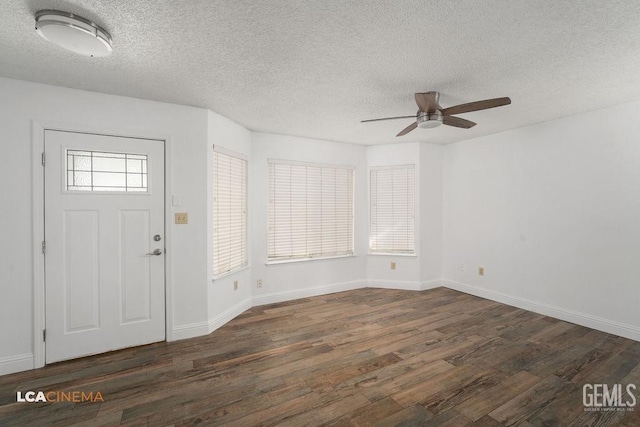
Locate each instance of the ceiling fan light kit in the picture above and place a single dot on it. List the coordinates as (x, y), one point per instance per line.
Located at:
(431, 114)
(73, 33)
(429, 120)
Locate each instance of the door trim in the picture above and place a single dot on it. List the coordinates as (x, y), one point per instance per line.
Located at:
(38, 129)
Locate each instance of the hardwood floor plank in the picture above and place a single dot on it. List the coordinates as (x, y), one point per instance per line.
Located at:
(581, 367)
(335, 376)
(110, 419)
(378, 388)
(345, 402)
(531, 401)
(559, 358)
(447, 399)
(367, 415)
(480, 405)
(362, 357)
(210, 411)
(450, 419)
(413, 416)
(449, 379)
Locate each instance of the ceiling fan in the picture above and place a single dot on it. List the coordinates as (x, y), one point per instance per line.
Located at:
(431, 114)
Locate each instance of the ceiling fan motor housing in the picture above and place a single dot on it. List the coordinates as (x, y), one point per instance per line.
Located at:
(429, 120)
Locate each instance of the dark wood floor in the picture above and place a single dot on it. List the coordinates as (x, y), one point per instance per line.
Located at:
(364, 357)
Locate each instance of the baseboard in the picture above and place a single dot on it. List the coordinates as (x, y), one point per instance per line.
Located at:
(190, 330)
(17, 363)
(198, 329)
(228, 315)
(403, 285)
(307, 292)
(431, 284)
(583, 319)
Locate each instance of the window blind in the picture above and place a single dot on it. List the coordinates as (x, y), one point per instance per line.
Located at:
(229, 213)
(392, 209)
(310, 210)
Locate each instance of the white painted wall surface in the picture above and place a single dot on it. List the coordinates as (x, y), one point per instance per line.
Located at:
(430, 211)
(552, 212)
(407, 274)
(298, 279)
(186, 127)
(224, 302)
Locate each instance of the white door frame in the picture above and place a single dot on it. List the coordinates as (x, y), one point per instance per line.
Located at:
(37, 203)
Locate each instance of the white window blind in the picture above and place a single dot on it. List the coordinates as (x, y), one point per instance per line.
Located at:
(392, 209)
(229, 213)
(310, 210)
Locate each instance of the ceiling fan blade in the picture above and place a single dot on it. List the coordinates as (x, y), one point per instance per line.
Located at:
(475, 106)
(427, 102)
(408, 129)
(458, 122)
(388, 118)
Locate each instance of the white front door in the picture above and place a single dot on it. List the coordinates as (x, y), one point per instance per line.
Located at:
(104, 218)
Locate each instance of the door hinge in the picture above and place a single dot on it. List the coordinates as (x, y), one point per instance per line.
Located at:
(44, 335)
(44, 247)
(43, 157)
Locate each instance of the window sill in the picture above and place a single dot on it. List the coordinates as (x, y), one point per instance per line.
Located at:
(229, 273)
(289, 261)
(391, 254)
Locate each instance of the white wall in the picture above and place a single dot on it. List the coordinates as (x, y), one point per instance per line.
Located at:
(423, 270)
(186, 130)
(298, 279)
(224, 303)
(552, 212)
(430, 211)
(407, 273)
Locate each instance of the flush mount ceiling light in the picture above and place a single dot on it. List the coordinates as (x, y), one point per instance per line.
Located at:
(73, 33)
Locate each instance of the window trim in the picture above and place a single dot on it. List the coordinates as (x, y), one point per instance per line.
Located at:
(293, 260)
(414, 252)
(245, 265)
(277, 261)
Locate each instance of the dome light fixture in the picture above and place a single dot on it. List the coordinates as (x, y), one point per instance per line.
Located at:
(73, 33)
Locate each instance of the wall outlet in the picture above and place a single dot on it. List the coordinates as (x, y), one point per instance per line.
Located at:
(182, 218)
(235, 285)
(259, 283)
(393, 265)
(481, 271)
(461, 267)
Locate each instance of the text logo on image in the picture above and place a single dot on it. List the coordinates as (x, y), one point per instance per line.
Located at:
(607, 397)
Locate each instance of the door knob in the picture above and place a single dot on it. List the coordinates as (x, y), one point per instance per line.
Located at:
(155, 252)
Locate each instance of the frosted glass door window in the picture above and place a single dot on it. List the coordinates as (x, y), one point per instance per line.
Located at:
(102, 171)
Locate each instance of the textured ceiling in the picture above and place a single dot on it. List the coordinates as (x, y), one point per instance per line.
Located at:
(315, 68)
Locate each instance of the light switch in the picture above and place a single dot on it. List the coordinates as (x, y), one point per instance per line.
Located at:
(182, 218)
